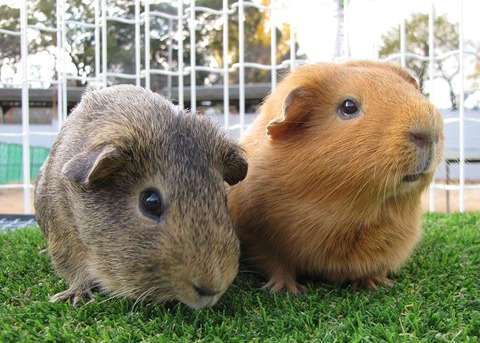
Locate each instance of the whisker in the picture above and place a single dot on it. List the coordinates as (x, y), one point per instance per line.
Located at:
(122, 293)
(144, 296)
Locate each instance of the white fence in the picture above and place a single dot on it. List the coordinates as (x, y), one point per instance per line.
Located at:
(180, 68)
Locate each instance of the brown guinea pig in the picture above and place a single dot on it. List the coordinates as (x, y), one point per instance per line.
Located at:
(132, 200)
(338, 159)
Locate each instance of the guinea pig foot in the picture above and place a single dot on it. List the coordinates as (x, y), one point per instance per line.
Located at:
(277, 285)
(78, 296)
(371, 282)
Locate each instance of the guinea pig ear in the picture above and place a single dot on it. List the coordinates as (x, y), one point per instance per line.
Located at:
(385, 65)
(293, 113)
(84, 168)
(410, 79)
(235, 167)
(403, 73)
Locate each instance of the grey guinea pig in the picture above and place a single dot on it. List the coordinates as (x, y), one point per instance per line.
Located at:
(132, 200)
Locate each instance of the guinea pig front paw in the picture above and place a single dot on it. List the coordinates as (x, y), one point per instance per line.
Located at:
(278, 283)
(371, 282)
(78, 295)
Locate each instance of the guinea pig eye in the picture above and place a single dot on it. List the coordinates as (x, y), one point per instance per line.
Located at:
(151, 203)
(348, 109)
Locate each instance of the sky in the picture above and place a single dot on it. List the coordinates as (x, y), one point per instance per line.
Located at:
(316, 22)
(367, 21)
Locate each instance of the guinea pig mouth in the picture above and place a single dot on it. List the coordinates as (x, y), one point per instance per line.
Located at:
(411, 177)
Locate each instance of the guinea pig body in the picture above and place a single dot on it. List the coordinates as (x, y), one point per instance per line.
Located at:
(338, 158)
(132, 200)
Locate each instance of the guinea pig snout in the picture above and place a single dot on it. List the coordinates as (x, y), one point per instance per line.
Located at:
(206, 291)
(206, 296)
(424, 144)
(209, 288)
(420, 139)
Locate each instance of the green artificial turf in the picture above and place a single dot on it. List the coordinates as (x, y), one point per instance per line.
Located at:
(435, 298)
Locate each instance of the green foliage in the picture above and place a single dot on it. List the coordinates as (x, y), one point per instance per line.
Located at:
(257, 41)
(39, 13)
(208, 42)
(435, 298)
(9, 22)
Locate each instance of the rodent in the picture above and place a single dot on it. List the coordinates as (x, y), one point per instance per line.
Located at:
(132, 200)
(338, 159)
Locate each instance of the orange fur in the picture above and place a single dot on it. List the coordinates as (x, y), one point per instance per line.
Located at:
(325, 197)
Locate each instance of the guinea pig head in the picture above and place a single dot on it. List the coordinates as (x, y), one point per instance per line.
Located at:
(152, 206)
(363, 128)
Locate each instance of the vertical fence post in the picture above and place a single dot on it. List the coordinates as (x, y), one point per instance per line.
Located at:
(138, 45)
(180, 53)
(25, 108)
(146, 18)
(104, 43)
(403, 43)
(293, 52)
(170, 58)
(273, 48)
(346, 28)
(97, 45)
(226, 81)
(60, 67)
(193, 58)
(241, 65)
(431, 69)
(461, 113)
(63, 66)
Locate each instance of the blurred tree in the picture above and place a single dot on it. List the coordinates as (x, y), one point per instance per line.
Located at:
(475, 77)
(80, 41)
(40, 13)
(9, 44)
(257, 39)
(446, 39)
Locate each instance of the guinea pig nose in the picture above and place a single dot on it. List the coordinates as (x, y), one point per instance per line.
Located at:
(420, 139)
(204, 291)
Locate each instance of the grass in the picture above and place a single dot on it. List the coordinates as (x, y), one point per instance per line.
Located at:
(436, 298)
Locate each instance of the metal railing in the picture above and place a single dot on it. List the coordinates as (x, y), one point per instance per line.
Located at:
(185, 16)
